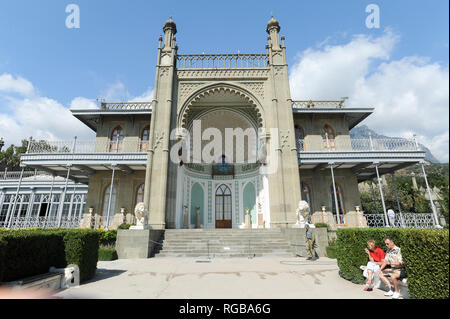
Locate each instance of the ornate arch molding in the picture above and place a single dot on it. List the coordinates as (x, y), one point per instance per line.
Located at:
(196, 96)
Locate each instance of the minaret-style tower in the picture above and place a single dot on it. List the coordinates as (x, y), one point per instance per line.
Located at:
(162, 107)
(284, 184)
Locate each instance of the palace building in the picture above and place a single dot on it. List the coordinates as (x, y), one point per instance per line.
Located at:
(310, 154)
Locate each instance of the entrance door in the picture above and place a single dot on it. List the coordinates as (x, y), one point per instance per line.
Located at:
(223, 207)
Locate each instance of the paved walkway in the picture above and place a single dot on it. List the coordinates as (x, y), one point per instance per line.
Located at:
(168, 278)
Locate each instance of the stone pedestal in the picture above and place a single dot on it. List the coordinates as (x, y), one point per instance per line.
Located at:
(86, 221)
(137, 243)
(197, 218)
(356, 219)
(248, 221)
(260, 220)
(323, 217)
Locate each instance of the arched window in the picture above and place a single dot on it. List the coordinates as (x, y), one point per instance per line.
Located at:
(105, 204)
(299, 138)
(223, 207)
(145, 138)
(116, 140)
(140, 194)
(340, 199)
(328, 136)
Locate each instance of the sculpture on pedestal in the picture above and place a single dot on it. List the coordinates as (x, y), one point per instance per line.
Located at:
(302, 214)
(141, 215)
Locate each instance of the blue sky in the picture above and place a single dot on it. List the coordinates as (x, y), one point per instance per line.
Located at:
(116, 44)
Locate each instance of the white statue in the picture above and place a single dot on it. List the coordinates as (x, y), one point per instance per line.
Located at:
(302, 213)
(71, 277)
(141, 215)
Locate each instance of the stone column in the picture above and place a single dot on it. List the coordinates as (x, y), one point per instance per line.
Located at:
(156, 177)
(284, 183)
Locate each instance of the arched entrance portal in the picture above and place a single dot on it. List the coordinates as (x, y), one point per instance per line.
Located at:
(223, 207)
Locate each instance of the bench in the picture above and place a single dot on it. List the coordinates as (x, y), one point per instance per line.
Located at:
(402, 284)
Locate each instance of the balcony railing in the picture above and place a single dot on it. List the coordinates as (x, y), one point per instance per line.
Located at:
(16, 174)
(126, 106)
(358, 145)
(86, 147)
(405, 220)
(222, 61)
(318, 104)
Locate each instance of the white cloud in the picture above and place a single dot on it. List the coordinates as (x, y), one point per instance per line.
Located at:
(410, 95)
(82, 103)
(18, 85)
(25, 113)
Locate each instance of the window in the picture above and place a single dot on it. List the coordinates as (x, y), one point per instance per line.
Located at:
(223, 204)
(299, 138)
(145, 138)
(329, 142)
(105, 204)
(116, 140)
(140, 194)
(340, 199)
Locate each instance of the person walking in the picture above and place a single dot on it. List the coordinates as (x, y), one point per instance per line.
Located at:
(310, 243)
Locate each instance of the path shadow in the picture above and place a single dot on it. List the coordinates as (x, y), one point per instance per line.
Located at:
(102, 274)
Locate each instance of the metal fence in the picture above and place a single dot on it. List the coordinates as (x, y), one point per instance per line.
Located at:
(42, 222)
(405, 220)
(359, 144)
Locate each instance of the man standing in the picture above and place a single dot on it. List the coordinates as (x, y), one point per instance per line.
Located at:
(310, 243)
(392, 266)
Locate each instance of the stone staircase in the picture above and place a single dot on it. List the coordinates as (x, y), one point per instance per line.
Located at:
(220, 243)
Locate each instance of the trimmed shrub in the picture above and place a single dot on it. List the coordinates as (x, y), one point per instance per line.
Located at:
(124, 226)
(424, 251)
(107, 237)
(30, 252)
(81, 247)
(331, 252)
(2, 257)
(322, 225)
(107, 253)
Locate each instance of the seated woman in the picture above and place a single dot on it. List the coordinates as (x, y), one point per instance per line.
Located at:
(376, 256)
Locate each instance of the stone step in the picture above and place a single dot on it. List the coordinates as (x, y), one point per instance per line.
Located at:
(223, 255)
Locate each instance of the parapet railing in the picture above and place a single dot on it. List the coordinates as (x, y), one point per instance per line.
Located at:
(404, 220)
(86, 147)
(16, 174)
(318, 104)
(126, 106)
(359, 145)
(222, 61)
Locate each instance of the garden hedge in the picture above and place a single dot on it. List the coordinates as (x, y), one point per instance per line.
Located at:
(424, 251)
(30, 252)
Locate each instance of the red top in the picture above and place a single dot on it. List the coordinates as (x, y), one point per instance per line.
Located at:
(377, 255)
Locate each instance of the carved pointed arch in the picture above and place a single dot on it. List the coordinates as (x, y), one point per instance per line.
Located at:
(187, 111)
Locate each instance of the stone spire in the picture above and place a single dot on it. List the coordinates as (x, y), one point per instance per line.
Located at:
(273, 29)
(170, 29)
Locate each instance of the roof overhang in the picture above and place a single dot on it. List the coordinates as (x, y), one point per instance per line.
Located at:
(92, 117)
(361, 163)
(354, 115)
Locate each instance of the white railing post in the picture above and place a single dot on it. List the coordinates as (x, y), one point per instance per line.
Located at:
(381, 193)
(328, 142)
(11, 213)
(431, 198)
(63, 197)
(74, 144)
(370, 141)
(402, 223)
(50, 201)
(335, 195)
(113, 166)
